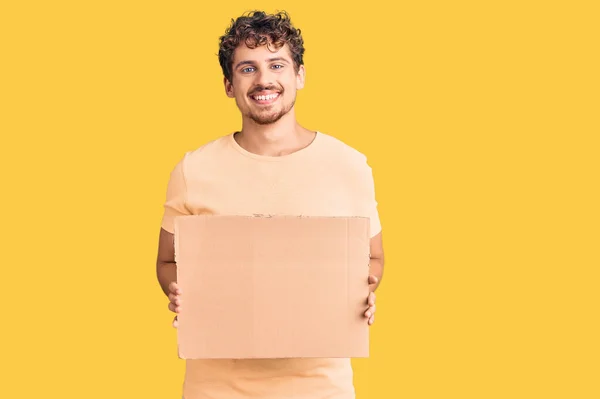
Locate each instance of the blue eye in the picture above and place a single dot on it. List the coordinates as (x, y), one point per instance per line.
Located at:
(278, 66)
(245, 70)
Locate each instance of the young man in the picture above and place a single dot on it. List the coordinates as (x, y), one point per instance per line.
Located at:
(273, 165)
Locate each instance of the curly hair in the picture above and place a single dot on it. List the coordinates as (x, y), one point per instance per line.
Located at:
(255, 29)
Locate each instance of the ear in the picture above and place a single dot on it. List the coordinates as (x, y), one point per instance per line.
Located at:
(228, 88)
(300, 77)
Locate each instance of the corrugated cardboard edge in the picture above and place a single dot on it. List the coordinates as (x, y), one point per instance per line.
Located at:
(176, 251)
(368, 291)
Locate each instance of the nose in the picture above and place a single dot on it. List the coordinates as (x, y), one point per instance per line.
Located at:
(263, 78)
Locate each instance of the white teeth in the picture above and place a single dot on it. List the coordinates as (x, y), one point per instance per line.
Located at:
(264, 98)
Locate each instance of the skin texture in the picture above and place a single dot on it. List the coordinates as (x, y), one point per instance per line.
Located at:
(269, 127)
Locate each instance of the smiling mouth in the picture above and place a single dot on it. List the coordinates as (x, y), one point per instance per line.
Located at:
(265, 98)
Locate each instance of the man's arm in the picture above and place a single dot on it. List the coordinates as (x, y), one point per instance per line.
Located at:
(166, 269)
(376, 263)
(375, 275)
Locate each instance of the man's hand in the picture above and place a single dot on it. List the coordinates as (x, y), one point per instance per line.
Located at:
(370, 312)
(174, 301)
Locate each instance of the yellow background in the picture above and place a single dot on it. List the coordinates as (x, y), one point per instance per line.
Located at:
(480, 120)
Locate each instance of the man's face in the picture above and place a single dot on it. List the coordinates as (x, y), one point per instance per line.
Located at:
(264, 83)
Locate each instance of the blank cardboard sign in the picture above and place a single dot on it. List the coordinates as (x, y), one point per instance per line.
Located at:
(272, 287)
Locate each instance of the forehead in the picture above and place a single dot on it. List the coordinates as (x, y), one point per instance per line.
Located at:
(260, 54)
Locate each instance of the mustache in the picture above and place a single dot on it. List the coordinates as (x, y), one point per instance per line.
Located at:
(266, 88)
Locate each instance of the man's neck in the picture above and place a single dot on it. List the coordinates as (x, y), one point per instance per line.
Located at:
(280, 138)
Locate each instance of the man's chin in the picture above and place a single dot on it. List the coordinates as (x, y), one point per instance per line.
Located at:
(264, 122)
(265, 119)
(268, 118)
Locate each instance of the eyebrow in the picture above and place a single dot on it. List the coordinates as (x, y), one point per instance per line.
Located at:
(248, 62)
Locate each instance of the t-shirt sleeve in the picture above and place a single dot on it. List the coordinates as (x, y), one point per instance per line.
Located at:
(373, 207)
(370, 199)
(175, 204)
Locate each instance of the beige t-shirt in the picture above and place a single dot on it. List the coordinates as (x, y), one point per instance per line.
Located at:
(326, 178)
